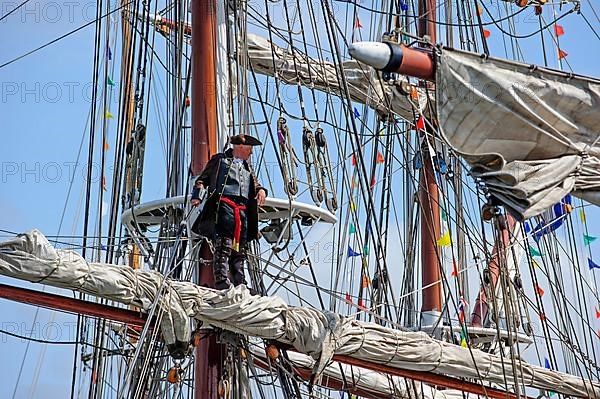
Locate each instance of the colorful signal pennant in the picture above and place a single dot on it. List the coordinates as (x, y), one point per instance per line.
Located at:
(592, 265)
(562, 54)
(380, 158)
(454, 269)
(403, 6)
(373, 182)
(358, 25)
(365, 281)
(479, 10)
(109, 53)
(366, 250)
(105, 145)
(587, 239)
(352, 253)
(539, 290)
(582, 215)
(597, 313)
(547, 364)
(535, 264)
(463, 340)
(486, 33)
(444, 214)
(421, 123)
(534, 252)
(445, 240)
(348, 298)
(353, 159)
(361, 303)
(352, 206)
(559, 30)
(108, 115)
(356, 114)
(110, 82)
(352, 229)
(353, 183)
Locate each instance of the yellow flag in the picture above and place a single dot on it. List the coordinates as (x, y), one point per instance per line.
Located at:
(352, 206)
(108, 115)
(463, 343)
(582, 215)
(445, 241)
(534, 263)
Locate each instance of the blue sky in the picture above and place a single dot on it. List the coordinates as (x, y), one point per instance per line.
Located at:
(44, 112)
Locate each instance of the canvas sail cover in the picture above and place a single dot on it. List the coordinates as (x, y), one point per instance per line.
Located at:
(532, 135)
(364, 84)
(320, 334)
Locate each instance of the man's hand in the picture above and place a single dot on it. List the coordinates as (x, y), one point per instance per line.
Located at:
(196, 201)
(260, 197)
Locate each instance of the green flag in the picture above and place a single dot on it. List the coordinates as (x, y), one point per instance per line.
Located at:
(534, 252)
(366, 250)
(352, 228)
(587, 239)
(110, 82)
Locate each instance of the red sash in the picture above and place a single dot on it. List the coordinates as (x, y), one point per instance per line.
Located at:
(237, 230)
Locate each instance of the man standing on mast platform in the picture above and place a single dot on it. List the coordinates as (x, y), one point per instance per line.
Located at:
(230, 216)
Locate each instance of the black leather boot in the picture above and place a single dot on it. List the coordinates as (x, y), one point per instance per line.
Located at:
(221, 263)
(238, 261)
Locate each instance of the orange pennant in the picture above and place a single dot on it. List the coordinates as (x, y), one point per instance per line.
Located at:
(365, 281)
(106, 146)
(486, 33)
(353, 160)
(454, 270)
(559, 30)
(380, 158)
(539, 290)
(562, 54)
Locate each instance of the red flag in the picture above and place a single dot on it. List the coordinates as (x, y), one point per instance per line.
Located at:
(454, 270)
(486, 33)
(562, 54)
(539, 290)
(597, 313)
(360, 303)
(353, 160)
(542, 317)
(380, 158)
(421, 123)
(348, 298)
(358, 25)
(373, 182)
(559, 30)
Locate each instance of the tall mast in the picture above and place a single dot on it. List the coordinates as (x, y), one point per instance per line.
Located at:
(204, 144)
(431, 306)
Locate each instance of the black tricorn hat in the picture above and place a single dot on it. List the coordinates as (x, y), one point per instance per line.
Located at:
(244, 139)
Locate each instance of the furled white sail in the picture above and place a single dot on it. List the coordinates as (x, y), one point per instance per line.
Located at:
(320, 334)
(364, 83)
(531, 134)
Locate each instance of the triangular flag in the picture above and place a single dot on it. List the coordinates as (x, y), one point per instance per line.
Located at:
(358, 25)
(110, 82)
(365, 281)
(353, 160)
(463, 343)
(373, 182)
(539, 290)
(445, 240)
(368, 229)
(562, 54)
(108, 115)
(356, 114)
(421, 123)
(486, 33)
(597, 313)
(559, 30)
(348, 298)
(106, 146)
(592, 265)
(361, 303)
(547, 364)
(534, 252)
(380, 158)
(454, 270)
(352, 252)
(582, 215)
(109, 53)
(542, 317)
(366, 249)
(479, 10)
(403, 6)
(444, 215)
(587, 239)
(352, 229)
(352, 206)
(534, 263)
(353, 184)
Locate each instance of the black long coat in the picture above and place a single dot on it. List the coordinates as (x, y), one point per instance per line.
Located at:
(205, 224)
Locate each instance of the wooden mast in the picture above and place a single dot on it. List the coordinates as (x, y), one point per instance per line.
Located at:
(204, 144)
(431, 306)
